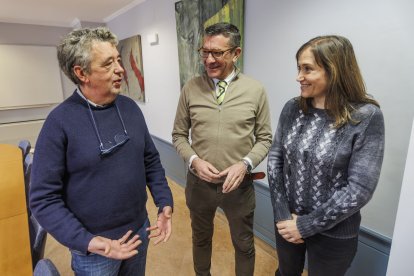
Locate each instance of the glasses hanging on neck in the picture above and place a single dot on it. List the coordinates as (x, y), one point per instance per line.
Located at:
(119, 139)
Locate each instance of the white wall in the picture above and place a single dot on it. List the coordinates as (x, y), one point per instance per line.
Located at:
(13, 133)
(380, 31)
(400, 255)
(162, 84)
(24, 34)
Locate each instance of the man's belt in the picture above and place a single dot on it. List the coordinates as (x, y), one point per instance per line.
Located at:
(255, 176)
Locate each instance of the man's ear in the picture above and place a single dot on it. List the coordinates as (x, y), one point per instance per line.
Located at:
(80, 73)
(237, 53)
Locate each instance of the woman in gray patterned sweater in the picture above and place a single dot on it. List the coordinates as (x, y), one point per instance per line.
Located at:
(325, 161)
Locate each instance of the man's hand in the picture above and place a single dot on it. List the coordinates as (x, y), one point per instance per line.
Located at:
(115, 249)
(289, 230)
(162, 227)
(234, 176)
(206, 171)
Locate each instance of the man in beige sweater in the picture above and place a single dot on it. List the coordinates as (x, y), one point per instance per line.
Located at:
(228, 115)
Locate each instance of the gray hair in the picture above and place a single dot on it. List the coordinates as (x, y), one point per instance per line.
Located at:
(75, 49)
(227, 30)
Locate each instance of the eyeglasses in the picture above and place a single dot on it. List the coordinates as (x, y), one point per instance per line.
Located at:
(119, 139)
(216, 54)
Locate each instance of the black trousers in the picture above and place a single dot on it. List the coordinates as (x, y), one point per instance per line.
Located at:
(202, 199)
(326, 256)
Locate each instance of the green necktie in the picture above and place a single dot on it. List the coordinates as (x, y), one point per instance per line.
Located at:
(220, 91)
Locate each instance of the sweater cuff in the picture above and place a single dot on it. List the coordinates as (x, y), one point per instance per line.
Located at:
(281, 212)
(249, 160)
(190, 162)
(85, 243)
(305, 226)
(161, 207)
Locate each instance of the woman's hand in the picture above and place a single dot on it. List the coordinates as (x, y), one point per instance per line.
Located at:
(289, 230)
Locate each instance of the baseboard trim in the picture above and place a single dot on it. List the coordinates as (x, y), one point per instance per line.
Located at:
(373, 248)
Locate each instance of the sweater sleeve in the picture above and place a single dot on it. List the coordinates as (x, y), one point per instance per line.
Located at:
(155, 175)
(363, 174)
(262, 130)
(47, 189)
(275, 164)
(182, 125)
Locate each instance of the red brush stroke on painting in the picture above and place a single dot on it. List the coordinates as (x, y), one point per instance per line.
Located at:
(125, 76)
(136, 71)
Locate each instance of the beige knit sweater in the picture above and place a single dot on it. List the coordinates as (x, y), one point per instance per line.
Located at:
(223, 134)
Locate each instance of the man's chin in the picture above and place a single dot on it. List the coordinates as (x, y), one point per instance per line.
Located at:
(212, 74)
(116, 91)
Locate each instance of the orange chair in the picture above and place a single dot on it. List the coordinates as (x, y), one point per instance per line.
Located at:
(15, 256)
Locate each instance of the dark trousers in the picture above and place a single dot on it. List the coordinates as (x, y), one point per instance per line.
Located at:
(326, 256)
(202, 199)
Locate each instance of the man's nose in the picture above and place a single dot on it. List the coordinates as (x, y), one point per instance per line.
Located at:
(210, 58)
(119, 69)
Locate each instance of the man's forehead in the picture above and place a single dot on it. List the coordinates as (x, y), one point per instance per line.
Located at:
(217, 42)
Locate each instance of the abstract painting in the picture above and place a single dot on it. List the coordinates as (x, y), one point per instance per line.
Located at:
(131, 54)
(192, 16)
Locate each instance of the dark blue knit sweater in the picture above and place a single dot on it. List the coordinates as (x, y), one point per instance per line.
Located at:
(76, 193)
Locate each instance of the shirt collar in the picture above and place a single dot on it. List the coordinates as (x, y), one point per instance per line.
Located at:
(90, 102)
(228, 79)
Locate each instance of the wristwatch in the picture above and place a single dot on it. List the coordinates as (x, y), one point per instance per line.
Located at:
(248, 166)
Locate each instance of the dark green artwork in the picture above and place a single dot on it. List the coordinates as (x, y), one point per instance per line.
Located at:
(192, 16)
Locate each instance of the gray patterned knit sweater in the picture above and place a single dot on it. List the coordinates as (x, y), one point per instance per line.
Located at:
(323, 174)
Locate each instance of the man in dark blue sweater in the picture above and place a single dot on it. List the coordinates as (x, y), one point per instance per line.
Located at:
(94, 159)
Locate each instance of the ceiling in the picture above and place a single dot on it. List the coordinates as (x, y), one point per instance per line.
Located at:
(64, 13)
